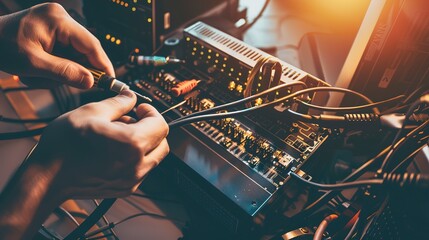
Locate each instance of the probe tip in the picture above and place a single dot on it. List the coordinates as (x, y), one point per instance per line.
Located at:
(142, 97)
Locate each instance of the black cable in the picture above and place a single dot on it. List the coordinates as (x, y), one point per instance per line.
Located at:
(249, 25)
(392, 180)
(351, 108)
(113, 224)
(90, 221)
(61, 210)
(19, 89)
(338, 186)
(423, 99)
(21, 134)
(45, 230)
(26, 120)
(100, 237)
(406, 160)
(187, 120)
(106, 221)
(351, 177)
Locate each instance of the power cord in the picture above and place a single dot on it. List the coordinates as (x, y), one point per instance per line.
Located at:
(198, 117)
(352, 108)
(393, 180)
(21, 134)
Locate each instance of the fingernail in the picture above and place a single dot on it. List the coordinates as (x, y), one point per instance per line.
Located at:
(127, 93)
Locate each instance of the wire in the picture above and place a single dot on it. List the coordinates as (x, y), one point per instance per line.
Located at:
(106, 221)
(351, 177)
(19, 89)
(113, 224)
(352, 229)
(21, 134)
(189, 119)
(403, 163)
(338, 186)
(353, 108)
(423, 99)
(91, 220)
(250, 98)
(318, 235)
(26, 120)
(249, 25)
(53, 236)
(150, 215)
(100, 237)
(67, 214)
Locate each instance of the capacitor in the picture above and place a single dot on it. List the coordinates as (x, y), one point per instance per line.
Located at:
(184, 87)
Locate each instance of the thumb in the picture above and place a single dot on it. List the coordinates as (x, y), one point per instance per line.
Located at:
(63, 70)
(112, 108)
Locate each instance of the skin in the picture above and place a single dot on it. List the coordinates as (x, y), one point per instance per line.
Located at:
(94, 151)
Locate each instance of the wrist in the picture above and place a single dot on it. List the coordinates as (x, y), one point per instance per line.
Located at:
(28, 199)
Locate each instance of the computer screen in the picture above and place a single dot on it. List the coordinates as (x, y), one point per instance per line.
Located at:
(390, 54)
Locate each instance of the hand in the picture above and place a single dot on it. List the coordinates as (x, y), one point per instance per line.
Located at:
(95, 151)
(29, 37)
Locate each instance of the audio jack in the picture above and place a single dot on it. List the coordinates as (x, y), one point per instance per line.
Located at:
(109, 83)
(154, 61)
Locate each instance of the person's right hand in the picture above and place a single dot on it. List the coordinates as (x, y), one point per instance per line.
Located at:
(96, 151)
(29, 38)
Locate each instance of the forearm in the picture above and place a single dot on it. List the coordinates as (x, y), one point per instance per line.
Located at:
(27, 200)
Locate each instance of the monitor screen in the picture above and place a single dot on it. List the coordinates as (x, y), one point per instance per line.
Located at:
(390, 54)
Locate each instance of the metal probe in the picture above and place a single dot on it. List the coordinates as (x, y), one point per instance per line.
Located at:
(109, 83)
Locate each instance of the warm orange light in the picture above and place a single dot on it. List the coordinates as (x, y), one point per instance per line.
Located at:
(118, 41)
(16, 78)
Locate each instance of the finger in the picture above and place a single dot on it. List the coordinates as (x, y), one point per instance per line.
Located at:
(153, 158)
(111, 108)
(127, 120)
(151, 129)
(74, 34)
(62, 70)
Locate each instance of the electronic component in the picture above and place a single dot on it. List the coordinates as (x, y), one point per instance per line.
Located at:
(184, 87)
(109, 83)
(155, 61)
(140, 26)
(234, 167)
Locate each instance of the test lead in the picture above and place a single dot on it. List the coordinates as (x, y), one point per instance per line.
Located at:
(109, 83)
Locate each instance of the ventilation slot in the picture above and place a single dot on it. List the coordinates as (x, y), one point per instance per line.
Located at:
(287, 72)
(296, 76)
(292, 73)
(246, 54)
(241, 49)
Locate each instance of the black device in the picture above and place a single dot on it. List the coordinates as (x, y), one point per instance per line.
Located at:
(235, 168)
(389, 55)
(140, 25)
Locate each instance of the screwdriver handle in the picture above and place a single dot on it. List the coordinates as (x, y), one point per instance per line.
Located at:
(102, 80)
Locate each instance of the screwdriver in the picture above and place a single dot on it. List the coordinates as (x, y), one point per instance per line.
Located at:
(109, 83)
